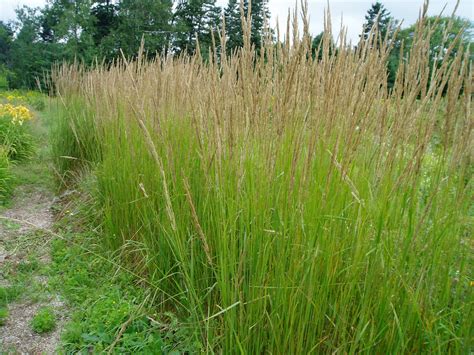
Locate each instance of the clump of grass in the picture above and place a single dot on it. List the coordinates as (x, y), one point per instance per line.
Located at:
(44, 321)
(8, 294)
(285, 203)
(76, 144)
(27, 267)
(6, 177)
(3, 315)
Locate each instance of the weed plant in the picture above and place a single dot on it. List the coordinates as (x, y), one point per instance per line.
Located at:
(44, 321)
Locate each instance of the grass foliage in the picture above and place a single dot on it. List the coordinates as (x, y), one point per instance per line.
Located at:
(6, 178)
(109, 311)
(285, 203)
(16, 139)
(3, 315)
(8, 294)
(43, 321)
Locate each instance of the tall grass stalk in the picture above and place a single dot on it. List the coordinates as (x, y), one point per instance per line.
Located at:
(285, 203)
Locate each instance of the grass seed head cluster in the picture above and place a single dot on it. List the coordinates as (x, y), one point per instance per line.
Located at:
(281, 202)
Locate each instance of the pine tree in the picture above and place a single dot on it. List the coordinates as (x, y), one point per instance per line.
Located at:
(378, 14)
(259, 14)
(195, 20)
(233, 25)
(317, 45)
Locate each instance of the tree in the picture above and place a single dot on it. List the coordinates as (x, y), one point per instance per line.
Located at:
(445, 31)
(71, 23)
(379, 16)
(105, 17)
(147, 19)
(104, 14)
(6, 39)
(31, 58)
(195, 20)
(233, 25)
(318, 43)
(259, 14)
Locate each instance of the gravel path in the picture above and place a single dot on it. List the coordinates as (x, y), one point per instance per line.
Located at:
(22, 234)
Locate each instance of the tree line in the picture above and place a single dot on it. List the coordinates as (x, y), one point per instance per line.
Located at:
(89, 30)
(101, 30)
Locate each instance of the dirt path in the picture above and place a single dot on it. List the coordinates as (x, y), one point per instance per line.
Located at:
(24, 260)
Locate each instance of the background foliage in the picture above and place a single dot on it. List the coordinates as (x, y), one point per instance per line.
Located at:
(99, 30)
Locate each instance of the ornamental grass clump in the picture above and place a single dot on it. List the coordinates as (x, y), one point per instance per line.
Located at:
(283, 203)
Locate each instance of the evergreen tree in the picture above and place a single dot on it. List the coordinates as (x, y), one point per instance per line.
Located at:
(105, 20)
(233, 25)
(318, 42)
(194, 20)
(49, 20)
(259, 13)
(379, 15)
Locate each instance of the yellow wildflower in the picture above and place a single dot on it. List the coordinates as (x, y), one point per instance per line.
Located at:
(17, 114)
(14, 97)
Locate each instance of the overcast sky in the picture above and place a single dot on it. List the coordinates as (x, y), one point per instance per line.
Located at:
(352, 11)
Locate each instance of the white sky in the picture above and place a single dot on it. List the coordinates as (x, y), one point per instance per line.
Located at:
(352, 11)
